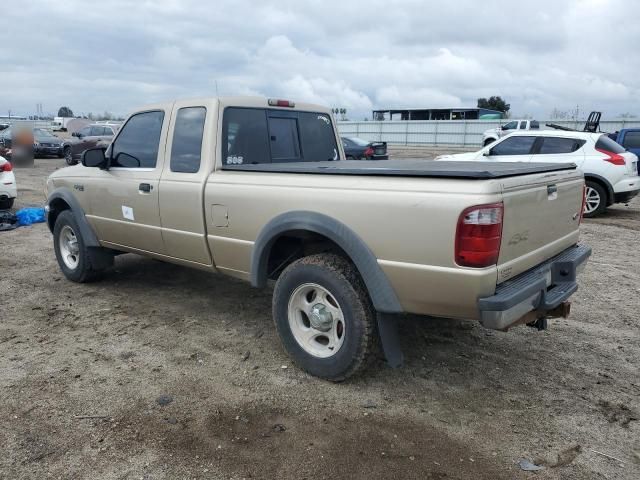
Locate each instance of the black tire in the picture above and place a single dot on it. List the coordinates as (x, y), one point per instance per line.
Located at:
(594, 190)
(68, 156)
(489, 141)
(6, 203)
(340, 278)
(84, 271)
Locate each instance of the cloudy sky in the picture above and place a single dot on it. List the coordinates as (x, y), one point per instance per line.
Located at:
(117, 54)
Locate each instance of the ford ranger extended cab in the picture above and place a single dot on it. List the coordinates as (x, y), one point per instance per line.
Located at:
(260, 190)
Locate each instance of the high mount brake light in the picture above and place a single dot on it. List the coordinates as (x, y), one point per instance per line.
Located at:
(614, 158)
(281, 103)
(479, 235)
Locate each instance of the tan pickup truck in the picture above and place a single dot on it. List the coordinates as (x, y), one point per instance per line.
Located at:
(259, 190)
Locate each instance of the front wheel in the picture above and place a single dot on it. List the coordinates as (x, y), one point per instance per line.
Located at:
(595, 199)
(72, 254)
(6, 203)
(324, 316)
(489, 141)
(68, 156)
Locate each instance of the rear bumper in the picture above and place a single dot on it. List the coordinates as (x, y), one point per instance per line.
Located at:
(627, 185)
(624, 197)
(541, 289)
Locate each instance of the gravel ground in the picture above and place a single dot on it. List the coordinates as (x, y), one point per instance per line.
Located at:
(161, 372)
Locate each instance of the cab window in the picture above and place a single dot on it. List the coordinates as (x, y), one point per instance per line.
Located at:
(138, 142)
(514, 146)
(186, 148)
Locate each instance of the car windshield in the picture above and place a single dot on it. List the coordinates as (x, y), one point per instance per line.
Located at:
(42, 133)
(358, 141)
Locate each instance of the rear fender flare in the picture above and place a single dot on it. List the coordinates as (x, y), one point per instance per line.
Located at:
(610, 193)
(380, 290)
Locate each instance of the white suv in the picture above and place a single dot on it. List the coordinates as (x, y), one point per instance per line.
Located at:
(611, 172)
(8, 190)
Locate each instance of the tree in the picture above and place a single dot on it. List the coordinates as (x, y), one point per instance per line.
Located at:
(494, 103)
(65, 112)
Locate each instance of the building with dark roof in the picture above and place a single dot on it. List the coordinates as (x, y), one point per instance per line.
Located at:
(436, 114)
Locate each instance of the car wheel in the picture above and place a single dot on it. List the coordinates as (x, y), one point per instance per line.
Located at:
(595, 199)
(68, 156)
(324, 316)
(6, 203)
(71, 252)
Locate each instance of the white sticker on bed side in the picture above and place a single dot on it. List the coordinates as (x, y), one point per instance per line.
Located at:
(127, 212)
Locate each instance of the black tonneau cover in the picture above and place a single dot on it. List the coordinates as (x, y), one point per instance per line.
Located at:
(407, 168)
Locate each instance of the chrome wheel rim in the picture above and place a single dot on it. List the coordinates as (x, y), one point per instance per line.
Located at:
(592, 200)
(67, 155)
(69, 249)
(316, 320)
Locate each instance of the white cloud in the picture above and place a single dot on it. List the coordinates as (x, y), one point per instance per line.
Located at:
(118, 54)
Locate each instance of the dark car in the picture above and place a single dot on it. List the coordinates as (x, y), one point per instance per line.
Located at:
(45, 143)
(358, 149)
(94, 135)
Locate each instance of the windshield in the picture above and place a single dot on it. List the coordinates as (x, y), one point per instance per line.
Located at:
(358, 141)
(42, 133)
(510, 126)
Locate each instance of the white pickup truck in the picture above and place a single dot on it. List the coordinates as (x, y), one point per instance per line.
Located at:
(260, 190)
(493, 134)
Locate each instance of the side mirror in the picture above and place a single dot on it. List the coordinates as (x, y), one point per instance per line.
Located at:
(486, 153)
(95, 157)
(74, 134)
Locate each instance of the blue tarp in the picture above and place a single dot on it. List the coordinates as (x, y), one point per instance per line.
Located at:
(28, 216)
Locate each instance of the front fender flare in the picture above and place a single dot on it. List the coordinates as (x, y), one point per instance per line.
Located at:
(380, 290)
(65, 195)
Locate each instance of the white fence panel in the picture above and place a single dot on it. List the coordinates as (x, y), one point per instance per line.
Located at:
(449, 132)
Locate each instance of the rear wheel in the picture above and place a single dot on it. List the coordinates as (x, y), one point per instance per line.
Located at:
(324, 316)
(6, 203)
(595, 199)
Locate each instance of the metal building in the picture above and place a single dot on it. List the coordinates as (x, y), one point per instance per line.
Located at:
(436, 114)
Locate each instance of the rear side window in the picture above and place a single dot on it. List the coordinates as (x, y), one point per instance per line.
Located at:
(631, 140)
(244, 136)
(138, 142)
(269, 135)
(514, 146)
(559, 145)
(605, 143)
(523, 125)
(186, 147)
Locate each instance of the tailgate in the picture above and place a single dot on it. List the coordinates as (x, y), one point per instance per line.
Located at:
(541, 219)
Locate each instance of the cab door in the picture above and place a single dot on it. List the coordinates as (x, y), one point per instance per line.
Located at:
(125, 209)
(190, 154)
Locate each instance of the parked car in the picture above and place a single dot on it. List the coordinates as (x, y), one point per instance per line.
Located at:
(357, 149)
(45, 143)
(629, 138)
(91, 136)
(8, 188)
(259, 190)
(611, 173)
(493, 134)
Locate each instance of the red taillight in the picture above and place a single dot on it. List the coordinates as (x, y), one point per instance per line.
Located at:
(368, 152)
(614, 158)
(479, 235)
(281, 103)
(6, 167)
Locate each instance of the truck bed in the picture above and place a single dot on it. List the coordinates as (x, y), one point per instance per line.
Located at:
(407, 168)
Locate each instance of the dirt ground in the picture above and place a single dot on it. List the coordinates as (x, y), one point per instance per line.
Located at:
(161, 372)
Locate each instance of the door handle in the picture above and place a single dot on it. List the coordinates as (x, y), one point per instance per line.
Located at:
(145, 187)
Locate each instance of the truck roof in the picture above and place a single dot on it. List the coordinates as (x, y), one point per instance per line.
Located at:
(407, 168)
